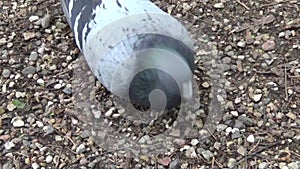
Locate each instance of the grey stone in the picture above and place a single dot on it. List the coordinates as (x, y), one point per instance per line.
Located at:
(236, 134)
(67, 90)
(174, 164)
(246, 120)
(8, 165)
(48, 129)
(238, 124)
(28, 70)
(33, 56)
(85, 134)
(6, 73)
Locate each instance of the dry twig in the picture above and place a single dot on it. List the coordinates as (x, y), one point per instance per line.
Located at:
(242, 4)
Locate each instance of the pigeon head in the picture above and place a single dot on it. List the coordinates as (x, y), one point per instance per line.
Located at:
(157, 75)
(164, 84)
(155, 88)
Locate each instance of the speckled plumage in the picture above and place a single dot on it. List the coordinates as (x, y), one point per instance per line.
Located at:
(113, 34)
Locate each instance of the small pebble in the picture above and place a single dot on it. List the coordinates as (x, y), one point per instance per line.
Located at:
(41, 82)
(45, 21)
(294, 165)
(234, 113)
(242, 151)
(191, 153)
(20, 94)
(8, 165)
(33, 18)
(85, 134)
(238, 124)
(67, 90)
(57, 86)
(18, 122)
(28, 70)
(207, 155)
(205, 85)
(9, 145)
(33, 56)
(231, 163)
(49, 159)
(9, 45)
(251, 138)
(11, 107)
(257, 97)
(237, 100)
(228, 130)
(48, 129)
(80, 149)
(35, 165)
(269, 45)
(217, 145)
(174, 164)
(219, 5)
(109, 112)
(263, 165)
(291, 115)
(241, 57)
(28, 35)
(6, 73)
(194, 142)
(58, 138)
(281, 34)
(241, 44)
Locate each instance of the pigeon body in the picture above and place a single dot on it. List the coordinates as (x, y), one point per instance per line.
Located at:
(134, 49)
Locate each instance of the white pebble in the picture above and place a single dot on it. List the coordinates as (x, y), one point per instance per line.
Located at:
(257, 97)
(49, 159)
(35, 165)
(234, 113)
(80, 148)
(263, 165)
(9, 145)
(194, 142)
(237, 100)
(33, 18)
(20, 94)
(219, 5)
(11, 107)
(57, 86)
(17, 122)
(228, 130)
(294, 165)
(9, 45)
(241, 44)
(281, 34)
(69, 58)
(39, 124)
(191, 152)
(251, 138)
(290, 91)
(231, 162)
(109, 112)
(52, 67)
(40, 82)
(11, 84)
(58, 138)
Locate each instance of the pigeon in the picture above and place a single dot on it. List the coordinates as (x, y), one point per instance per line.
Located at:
(136, 50)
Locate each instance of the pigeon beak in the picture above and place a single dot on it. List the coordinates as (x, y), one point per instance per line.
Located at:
(187, 91)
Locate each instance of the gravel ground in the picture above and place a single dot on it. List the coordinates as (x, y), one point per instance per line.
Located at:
(252, 68)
